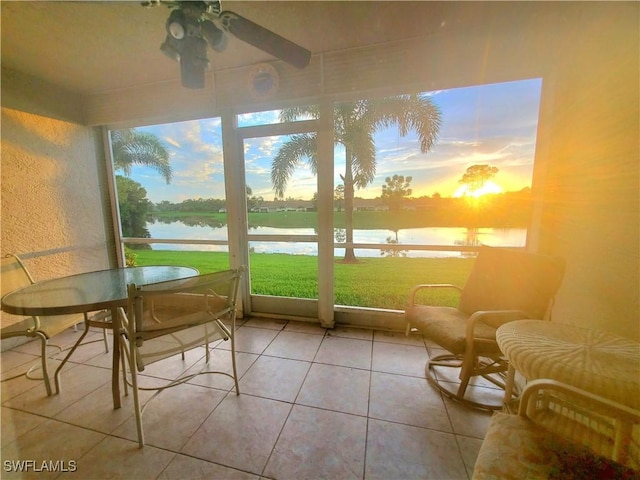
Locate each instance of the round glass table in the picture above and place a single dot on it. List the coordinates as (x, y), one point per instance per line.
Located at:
(88, 292)
(593, 360)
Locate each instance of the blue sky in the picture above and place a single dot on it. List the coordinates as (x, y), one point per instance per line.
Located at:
(490, 124)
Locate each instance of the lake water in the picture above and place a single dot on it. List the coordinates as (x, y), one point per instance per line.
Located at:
(449, 236)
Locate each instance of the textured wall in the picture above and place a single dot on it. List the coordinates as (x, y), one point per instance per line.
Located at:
(592, 204)
(52, 211)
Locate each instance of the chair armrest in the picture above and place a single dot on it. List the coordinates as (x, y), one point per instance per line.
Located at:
(499, 317)
(601, 424)
(414, 291)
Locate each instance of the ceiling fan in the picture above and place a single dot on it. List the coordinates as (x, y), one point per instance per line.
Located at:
(193, 26)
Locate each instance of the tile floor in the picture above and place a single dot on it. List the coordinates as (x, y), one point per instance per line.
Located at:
(314, 403)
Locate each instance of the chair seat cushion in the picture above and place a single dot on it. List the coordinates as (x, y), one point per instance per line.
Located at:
(514, 448)
(447, 326)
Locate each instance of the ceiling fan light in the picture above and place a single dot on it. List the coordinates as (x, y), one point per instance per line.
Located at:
(176, 30)
(176, 25)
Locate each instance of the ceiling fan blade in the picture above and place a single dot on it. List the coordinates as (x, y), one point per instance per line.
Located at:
(265, 40)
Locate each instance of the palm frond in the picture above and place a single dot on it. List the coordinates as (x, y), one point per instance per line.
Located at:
(298, 113)
(408, 112)
(131, 147)
(291, 153)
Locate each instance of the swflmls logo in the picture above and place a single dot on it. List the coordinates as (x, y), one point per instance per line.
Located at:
(40, 466)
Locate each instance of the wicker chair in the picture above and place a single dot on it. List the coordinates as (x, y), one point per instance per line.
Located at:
(169, 318)
(561, 432)
(504, 285)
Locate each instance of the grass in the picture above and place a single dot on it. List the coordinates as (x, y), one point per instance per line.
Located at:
(372, 282)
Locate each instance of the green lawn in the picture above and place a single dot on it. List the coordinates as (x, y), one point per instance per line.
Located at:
(373, 282)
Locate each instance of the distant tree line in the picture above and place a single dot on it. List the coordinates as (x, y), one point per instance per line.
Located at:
(192, 205)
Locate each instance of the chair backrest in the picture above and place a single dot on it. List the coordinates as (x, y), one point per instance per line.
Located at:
(14, 274)
(190, 311)
(507, 279)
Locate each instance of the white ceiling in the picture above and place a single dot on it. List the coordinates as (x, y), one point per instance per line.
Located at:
(95, 47)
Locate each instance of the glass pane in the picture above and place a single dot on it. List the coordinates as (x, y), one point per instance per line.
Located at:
(385, 282)
(281, 190)
(447, 170)
(197, 256)
(170, 183)
(269, 117)
(282, 274)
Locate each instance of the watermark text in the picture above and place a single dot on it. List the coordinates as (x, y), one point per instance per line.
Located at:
(40, 465)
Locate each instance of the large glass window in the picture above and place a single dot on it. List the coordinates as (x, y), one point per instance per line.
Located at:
(171, 194)
(410, 200)
(419, 183)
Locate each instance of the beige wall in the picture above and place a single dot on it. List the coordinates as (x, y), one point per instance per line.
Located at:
(52, 208)
(592, 206)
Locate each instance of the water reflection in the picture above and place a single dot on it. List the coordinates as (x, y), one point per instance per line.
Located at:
(199, 229)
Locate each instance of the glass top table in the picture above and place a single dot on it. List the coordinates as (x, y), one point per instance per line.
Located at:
(88, 292)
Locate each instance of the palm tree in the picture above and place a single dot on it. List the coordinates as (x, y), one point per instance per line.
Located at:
(355, 124)
(140, 148)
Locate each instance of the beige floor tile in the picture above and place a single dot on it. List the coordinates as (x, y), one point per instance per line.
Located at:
(19, 385)
(221, 360)
(470, 422)
(396, 451)
(318, 443)
(15, 423)
(51, 441)
(13, 359)
(95, 410)
(240, 433)
(452, 374)
(77, 382)
(400, 338)
(275, 378)
(252, 340)
(183, 466)
(469, 447)
(336, 388)
(407, 400)
(89, 348)
(345, 352)
(271, 324)
(295, 346)
(305, 327)
(314, 403)
(120, 458)
(173, 416)
(67, 338)
(14, 367)
(489, 396)
(351, 332)
(400, 359)
(102, 359)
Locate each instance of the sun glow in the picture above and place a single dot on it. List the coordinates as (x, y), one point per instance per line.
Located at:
(488, 187)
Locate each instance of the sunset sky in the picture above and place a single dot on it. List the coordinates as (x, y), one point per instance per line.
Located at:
(490, 124)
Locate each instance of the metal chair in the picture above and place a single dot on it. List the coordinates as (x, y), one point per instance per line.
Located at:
(504, 285)
(14, 276)
(169, 318)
